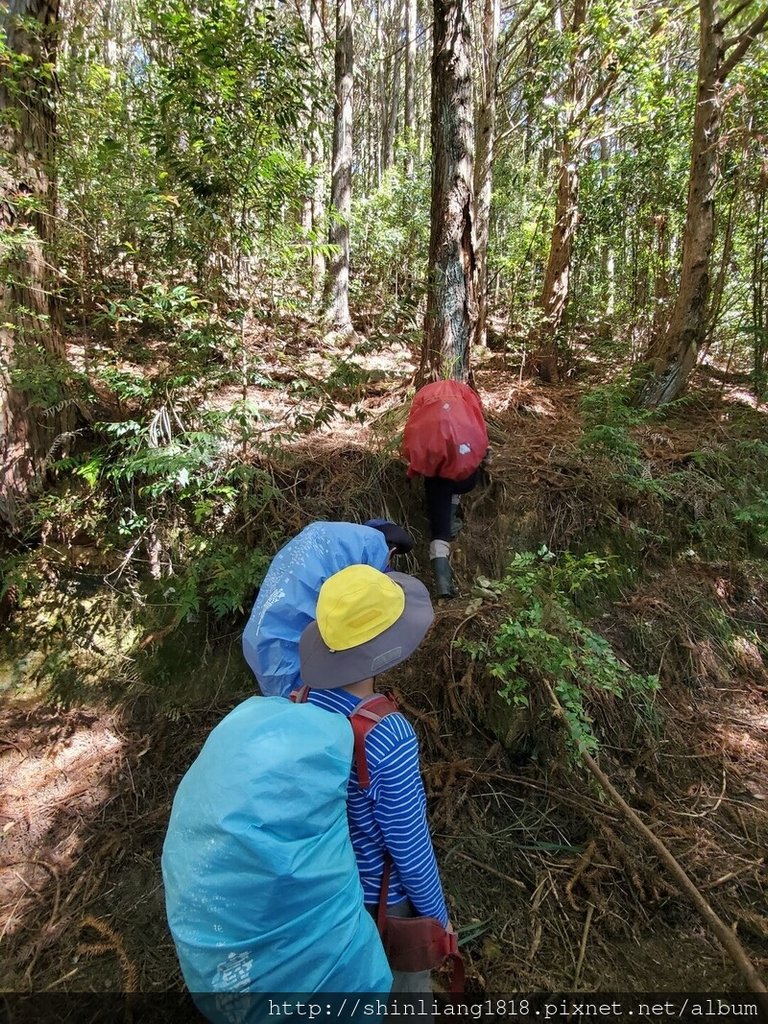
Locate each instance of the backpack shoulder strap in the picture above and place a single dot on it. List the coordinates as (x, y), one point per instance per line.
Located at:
(366, 715)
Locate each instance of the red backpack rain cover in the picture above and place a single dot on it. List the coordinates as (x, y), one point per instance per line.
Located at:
(445, 434)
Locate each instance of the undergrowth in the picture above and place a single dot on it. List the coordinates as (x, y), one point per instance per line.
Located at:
(543, 636)
(643, 498)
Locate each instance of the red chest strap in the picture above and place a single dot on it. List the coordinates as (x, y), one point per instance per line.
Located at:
(368, 713)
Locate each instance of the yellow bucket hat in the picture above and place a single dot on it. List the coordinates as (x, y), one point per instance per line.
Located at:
(367, 621)
(355, 605)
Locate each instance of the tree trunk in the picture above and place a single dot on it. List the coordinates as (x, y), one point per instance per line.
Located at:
(32, 413)
(759, 275)
(485, 120)
(679, 349)
(607, 256)
(381, 93)
(392, 109)
(317, 158)
(337, 297)
(554, 294)
(661, 289)
(451, 305)
(409, 134)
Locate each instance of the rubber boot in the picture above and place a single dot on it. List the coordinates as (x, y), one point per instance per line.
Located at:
(443, 577)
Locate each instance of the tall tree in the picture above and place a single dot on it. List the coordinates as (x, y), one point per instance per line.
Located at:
(318, 158)
(555, 291)
(410, 83)
(485, 120)
(390, 62)
(337, 289)
(32, 414)
(676, 354)
(451, 304)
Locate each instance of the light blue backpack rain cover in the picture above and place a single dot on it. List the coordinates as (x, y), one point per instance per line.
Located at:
(287, 599)
(262, 890)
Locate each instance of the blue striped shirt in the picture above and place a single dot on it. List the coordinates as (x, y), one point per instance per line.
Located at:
(391, 814)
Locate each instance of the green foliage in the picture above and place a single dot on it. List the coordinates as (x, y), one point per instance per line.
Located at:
(544, 637)
(183, 150)
(219, 574)
(391, 232)
(609, 419)
(711, 500)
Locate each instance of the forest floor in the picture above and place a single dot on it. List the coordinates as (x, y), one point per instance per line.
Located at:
(551, 887)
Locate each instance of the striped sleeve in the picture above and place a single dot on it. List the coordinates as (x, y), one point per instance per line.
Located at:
(400, 811)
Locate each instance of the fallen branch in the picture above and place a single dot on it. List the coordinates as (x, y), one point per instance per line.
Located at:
(493, 871)
(725, 936)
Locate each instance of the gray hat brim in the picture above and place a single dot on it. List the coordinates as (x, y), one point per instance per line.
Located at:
(324, 669)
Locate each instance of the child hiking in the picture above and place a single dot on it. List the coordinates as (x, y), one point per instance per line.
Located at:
(367, 622)
(445, 441)
(285, 603)
(288, 830)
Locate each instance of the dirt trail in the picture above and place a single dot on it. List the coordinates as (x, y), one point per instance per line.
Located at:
(552, 890)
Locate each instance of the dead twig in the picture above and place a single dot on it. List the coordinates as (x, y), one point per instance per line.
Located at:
(725, 936)
(584, 862)
(493, 871)
(111, 943)
(583, 949)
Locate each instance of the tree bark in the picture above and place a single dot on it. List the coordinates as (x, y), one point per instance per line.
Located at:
(759, 275)
(32, 417)
(317, 158)
(409, 124)
(678, 349)
(661, 288)
(337, 297)
(555, 291)
(607, 255)
(485, 121)
(675, 355)
(451, 304)
(392, 107)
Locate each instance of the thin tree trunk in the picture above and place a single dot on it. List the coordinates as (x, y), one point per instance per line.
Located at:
(555, 291)
(485, 121)
(716, 302)
(317, 159)
(688, 322)
(759, 250)
(451, 304)
(661, 290)
(607, 257)
(390, 120)
(31, 347)
(381, 92)
(409, 134)
(337, 297)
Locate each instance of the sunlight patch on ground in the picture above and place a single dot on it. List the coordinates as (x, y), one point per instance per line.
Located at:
(53, 778)
(731, 393)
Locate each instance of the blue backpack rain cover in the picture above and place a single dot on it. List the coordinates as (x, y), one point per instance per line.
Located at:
(262, 889)
(287, 599)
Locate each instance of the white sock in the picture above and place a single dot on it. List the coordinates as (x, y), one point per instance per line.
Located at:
(439, 549)
(455, 499)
